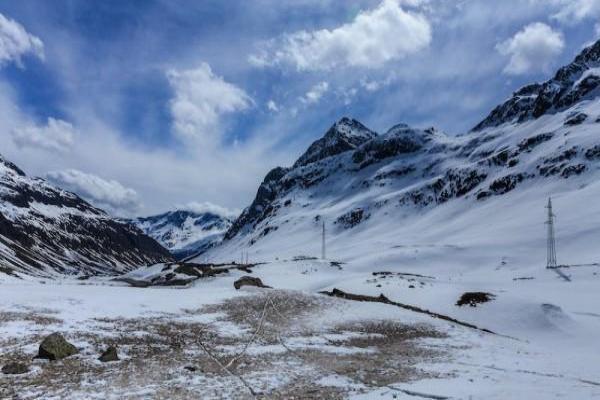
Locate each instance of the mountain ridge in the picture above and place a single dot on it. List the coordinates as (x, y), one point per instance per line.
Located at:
(414, 171)
(571, 84)
(45, 230)
(185, 232)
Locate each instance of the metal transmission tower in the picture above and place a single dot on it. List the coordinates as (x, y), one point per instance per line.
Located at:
(323, 254)
(551, 237)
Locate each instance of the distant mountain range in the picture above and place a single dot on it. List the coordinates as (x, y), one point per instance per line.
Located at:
(185, 232)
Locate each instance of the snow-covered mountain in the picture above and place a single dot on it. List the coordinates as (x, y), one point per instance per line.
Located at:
(487, 187)
(45, 230)
(186, 232)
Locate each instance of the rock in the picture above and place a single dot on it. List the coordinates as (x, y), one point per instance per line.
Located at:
(55, 347)
(109, 355)
(15, 368)
(576, 119)
(249, 281)
(474, 298)
(190, 368)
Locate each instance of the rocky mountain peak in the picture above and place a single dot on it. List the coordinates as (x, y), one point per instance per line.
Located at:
(345, 135)
(8, 166)
(573, 83)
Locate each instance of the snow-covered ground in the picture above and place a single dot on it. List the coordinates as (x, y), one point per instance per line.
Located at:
(545, 347)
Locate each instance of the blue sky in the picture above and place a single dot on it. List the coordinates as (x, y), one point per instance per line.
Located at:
(142, 106)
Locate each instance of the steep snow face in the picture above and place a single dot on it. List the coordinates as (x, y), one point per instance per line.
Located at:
(185, 232)
(484, 191)
(572, 84)
(45, 230)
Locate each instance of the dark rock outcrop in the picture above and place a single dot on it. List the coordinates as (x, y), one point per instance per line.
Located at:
(474, 298)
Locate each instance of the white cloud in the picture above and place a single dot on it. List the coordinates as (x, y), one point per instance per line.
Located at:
(15, 42)
(272, 106)
(107, 194)
(208, 207)
(201, 98)
(374, 85)
(373, 38)
(57, 136)
(573, 11)
(532, 49)
(315, 93)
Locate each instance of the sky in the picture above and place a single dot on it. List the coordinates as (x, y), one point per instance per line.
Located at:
(143, 106)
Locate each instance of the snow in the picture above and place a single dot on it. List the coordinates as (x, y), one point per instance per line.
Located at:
(545, 340)
(544, 351)
(184, 230)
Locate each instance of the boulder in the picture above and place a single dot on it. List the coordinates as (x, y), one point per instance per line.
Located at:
(249, 281)
(109, 355)
(55, 347)
(15, 368)
(474, 298)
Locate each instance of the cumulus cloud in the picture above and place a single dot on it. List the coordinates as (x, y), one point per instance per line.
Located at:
(315, 93)
(107, 194)
(572, 11)
(207, 207)
(373, 38)
(532, 49)
(200, 99)
(56, 136)
(15, 42)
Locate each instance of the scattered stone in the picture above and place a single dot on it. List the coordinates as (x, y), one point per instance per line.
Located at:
(109, 355)
(190, 368)
(55, 347)
(15, 368)
(249, 281)
(474, 298)
(411, 286)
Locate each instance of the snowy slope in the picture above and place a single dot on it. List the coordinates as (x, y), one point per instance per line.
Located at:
(483, 191)
(185, 232)
(45, 230)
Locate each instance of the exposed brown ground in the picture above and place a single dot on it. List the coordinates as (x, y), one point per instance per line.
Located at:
(281, 352)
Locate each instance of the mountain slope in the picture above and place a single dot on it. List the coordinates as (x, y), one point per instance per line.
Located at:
(185, 232)
(423, 186)
(45, 230)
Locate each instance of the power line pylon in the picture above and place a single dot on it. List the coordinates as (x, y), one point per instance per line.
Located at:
(551, 237)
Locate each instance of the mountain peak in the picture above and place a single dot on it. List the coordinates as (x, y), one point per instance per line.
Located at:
(344, 135)
(573, 83)
(7, 164)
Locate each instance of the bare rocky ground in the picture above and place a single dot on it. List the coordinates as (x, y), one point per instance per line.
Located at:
(268, 344)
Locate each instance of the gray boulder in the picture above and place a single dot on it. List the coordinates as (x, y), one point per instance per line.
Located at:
(109, 355)
(55, 347)
(249, 281)
(15, 368)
